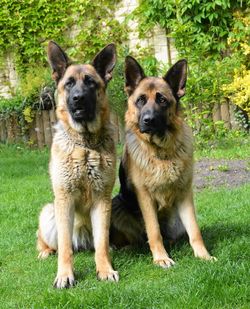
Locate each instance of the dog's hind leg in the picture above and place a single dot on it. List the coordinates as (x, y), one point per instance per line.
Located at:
(47, 232)
(127, 228)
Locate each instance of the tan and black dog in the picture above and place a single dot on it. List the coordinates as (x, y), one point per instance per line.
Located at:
(156, 171)
(82, 166)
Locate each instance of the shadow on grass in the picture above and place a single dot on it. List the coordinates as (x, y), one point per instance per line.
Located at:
(220, 232)
(212, 236)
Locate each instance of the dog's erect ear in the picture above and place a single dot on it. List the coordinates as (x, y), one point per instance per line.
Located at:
(104, 62)
(58, 60)
(176, 78)
(133, 74)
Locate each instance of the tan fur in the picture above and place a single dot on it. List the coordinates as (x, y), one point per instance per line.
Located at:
(82, 170)
(160, 171)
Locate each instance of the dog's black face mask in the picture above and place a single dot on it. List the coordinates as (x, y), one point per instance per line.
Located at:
(82, 83)
(155, 99)
(82, 98)
(153, 114)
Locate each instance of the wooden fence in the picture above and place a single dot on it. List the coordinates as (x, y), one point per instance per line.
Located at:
(226, 113)
(39, 132)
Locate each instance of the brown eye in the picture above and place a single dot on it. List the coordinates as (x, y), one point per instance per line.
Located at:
(141, 101)
(161, 100)
(89, 81)
(70, 83)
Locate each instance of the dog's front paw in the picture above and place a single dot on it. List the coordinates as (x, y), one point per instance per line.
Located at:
(207, 257)
(164, 263)
(45, 253)
(110, 275)
(204, 255)
(64, 281)
(213, 259)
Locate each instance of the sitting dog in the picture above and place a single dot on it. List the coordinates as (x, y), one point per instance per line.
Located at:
(156, 170)
(82, 166)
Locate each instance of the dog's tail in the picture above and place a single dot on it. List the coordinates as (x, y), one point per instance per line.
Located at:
(127, 227)
(47, 233)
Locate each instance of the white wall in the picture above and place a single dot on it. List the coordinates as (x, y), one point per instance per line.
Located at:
(157, 39)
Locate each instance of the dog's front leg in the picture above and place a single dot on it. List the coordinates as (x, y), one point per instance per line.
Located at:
(64, 213)
(100, 218)
(149, 213)
(187, 214)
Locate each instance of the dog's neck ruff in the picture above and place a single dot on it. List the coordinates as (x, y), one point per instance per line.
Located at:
(71, 139)
(163, 168)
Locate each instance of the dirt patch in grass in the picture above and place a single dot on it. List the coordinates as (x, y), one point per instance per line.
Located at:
(214, 173)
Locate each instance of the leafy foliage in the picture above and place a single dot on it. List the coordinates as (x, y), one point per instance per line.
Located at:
(195, 24)
(239, 90)
(116, 95)
(27, 25)
(82, 27)
(214, 37)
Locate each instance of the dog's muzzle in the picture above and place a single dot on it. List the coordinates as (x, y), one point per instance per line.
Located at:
(147, 123)
(81, 108)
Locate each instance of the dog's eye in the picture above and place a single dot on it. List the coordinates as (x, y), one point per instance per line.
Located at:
(89, 81)
(70, 83)
(161, 100)
(141, 101)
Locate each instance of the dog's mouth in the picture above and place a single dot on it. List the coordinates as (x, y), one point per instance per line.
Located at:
(146, 130)
(153, 131)
(79, 114)
(82, 115)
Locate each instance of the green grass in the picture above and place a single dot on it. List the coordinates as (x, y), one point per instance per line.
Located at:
(225, 148)
(26, 282)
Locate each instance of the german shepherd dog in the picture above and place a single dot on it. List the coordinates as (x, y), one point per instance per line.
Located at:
(82, 166)
(157, 166)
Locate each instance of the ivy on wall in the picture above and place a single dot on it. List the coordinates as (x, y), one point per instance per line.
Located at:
(195, 24)
(82, 25)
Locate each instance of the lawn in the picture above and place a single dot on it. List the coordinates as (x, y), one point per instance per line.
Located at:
(26, 282)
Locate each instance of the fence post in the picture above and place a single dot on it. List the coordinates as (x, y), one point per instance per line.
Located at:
(46, 128)
(10, 129)
(216, 112)
(52, 116)
(32, 133)
(233, 120)
(39, 129)
(225, 116)
(3, 130)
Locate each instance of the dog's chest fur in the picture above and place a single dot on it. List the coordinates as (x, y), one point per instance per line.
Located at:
(163, 176)
(77, 166)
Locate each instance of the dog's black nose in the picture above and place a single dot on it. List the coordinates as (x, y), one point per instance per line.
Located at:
(148, 119)
(77, 97)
